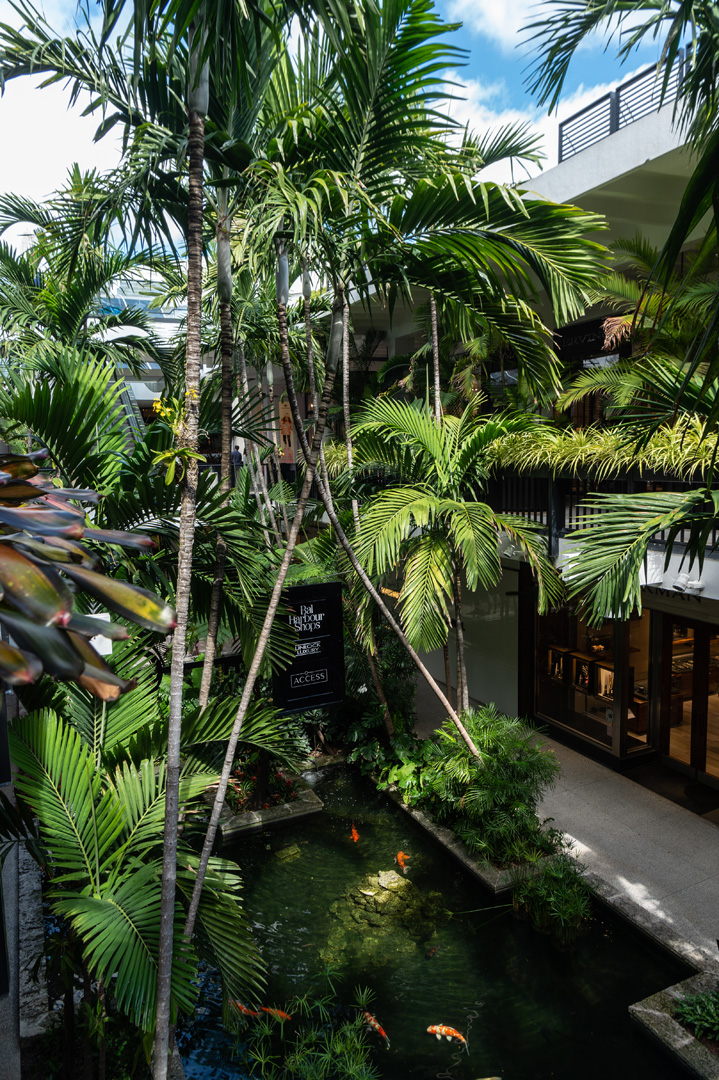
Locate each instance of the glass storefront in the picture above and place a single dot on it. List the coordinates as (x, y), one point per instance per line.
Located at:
(638, 684)
(575, 674)
(651, 682)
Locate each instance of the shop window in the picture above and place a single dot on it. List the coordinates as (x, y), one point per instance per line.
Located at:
(681, 698)
(712, 762)
(638, 696)
(575, 674)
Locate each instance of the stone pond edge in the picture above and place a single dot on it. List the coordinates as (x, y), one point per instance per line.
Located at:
(655, 1014)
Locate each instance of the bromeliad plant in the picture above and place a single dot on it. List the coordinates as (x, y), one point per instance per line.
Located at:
(46, 549)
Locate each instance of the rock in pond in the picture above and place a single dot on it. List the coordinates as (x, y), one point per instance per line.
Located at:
(285, 854)
(383, 915)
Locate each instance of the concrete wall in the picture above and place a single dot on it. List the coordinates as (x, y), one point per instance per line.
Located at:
(491, 644)
(623, 152)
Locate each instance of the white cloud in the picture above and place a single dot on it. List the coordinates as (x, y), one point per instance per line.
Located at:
(43, 138)
(501, 20)
(483, 109)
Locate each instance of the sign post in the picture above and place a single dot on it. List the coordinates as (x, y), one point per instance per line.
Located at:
(316, 676)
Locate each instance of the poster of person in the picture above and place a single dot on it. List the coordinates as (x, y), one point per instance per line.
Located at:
(287, 434)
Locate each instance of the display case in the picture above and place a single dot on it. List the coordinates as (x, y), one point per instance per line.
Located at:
(604, 681)
(558, 666)
(582, 673)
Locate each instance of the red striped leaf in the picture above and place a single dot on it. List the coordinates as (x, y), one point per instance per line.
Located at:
(137, 605)
(18, 668)
(50, 644)
(38, 592)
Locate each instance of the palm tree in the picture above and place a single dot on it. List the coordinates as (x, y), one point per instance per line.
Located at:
(94, 775)
(60, 289)
(431, 526)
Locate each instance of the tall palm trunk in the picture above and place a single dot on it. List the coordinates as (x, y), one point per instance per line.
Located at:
(362, 574)
(307, 294)
(435, 359)
(333, 354)
(188, 437)
(224, 293)
(273, 460)
(253, 458)
(261, 493)
(462, 689)
(379, 689)
(447, 672)
(346, 400)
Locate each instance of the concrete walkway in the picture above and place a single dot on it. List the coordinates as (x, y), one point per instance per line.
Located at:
(651, 851)
(646, 850)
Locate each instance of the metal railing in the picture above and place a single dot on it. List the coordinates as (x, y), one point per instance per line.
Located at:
(529, 496)
(631, 101)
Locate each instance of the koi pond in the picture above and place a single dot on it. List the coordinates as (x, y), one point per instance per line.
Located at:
(529, 1011)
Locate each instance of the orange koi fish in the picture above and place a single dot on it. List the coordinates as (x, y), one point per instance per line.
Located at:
(277, 1013)
(401, 860)
(243, 1009)
(449, 1033)
(374, 1025)
(354, 834)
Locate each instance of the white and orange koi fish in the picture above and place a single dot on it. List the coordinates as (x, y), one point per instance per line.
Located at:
(373, 1023)
(449, 1033)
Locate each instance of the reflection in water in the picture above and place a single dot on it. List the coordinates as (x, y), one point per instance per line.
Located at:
(528, 1011)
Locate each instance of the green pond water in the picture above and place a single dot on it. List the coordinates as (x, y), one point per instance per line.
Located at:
(528, 1010)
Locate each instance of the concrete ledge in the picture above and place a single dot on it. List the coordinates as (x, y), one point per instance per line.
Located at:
(34, 1004)
(306, 804)
(655, 1015)
(658, 929)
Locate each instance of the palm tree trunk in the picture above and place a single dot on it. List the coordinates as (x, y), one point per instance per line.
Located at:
(259, 470)
(379, 689)
(102, 1037)
(330, 372)
(342, 537)
(278, 469)
(253, 458)
(346, 399)
(224, 291)
(462, 695)
(435, 360)
(307, 296)
(87, 1069)
(188, 437)
(447, 672)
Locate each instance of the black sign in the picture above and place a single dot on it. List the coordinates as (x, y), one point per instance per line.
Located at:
(316, 677)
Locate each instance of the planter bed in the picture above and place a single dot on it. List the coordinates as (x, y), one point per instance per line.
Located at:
(656, 1015)
(306, 804)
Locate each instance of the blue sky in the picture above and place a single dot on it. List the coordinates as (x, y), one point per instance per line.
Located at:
(48, 138)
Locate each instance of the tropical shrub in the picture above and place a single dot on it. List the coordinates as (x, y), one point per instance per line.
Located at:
(490, 801)
(242, 789)
(700, 1012)
(556, 899)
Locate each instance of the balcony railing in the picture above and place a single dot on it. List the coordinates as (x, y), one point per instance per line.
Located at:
(629, 102)
(563, 506)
